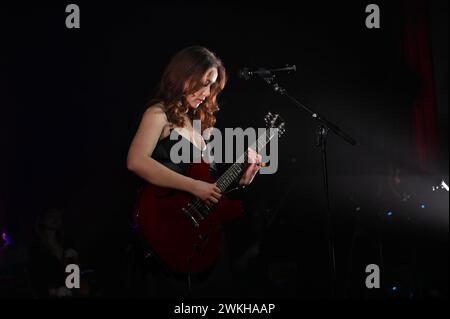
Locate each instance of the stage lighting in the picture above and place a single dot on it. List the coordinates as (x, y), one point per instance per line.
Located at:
(442, 185)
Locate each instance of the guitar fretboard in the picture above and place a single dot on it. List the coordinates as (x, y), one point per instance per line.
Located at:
(234, 171)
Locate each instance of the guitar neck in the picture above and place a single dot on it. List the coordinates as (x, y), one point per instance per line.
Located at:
(234, 172)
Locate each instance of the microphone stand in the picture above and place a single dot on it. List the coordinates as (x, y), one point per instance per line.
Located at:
(323, 127)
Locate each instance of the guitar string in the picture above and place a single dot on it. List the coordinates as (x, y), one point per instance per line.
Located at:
(199, 206)
(235, 168)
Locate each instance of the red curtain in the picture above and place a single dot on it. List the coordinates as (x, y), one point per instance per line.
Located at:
(417, 52)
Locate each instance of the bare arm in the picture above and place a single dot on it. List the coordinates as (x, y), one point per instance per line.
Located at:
(139, 161)
(142, 146)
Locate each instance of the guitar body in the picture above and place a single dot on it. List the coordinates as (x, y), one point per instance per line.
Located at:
(171, 235)
(180, 229)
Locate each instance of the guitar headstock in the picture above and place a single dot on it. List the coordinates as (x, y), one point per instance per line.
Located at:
(275, 121)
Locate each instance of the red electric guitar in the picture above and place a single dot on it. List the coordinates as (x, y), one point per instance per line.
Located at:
(181, 229)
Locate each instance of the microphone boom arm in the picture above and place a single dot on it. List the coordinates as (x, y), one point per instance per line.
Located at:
(277, 88)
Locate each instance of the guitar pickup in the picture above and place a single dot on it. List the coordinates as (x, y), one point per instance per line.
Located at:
(190, 217)
(199, 213)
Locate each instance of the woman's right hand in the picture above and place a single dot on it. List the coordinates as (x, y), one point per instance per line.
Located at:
(207, 192)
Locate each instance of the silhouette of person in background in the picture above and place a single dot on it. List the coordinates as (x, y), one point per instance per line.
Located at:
(50, 253)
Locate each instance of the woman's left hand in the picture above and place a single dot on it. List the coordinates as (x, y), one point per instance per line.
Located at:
(254, 160)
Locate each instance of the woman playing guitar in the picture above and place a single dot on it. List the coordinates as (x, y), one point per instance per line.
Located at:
(187, 91)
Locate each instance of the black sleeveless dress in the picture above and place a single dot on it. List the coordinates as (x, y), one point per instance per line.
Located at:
(161, 153)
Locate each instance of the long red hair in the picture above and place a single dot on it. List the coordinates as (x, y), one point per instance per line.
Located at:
(181, 77)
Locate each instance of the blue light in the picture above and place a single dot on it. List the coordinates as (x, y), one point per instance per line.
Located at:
(422, 206)
(6, 239)
(389, 213)
(394, 288)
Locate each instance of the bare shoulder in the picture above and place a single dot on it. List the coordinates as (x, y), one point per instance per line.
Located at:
(156, 110)
(155, 118)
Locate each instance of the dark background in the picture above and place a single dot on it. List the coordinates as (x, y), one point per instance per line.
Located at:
(71, 101)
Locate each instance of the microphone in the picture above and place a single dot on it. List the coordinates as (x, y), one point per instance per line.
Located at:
(246, 73)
